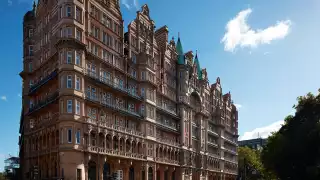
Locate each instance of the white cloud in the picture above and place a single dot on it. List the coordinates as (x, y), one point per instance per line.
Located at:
(262, 132)
(4, 98)
(129, 3)
(239, 33)
(238, 106)
(266, 53)
(19, 95)
(9, 2)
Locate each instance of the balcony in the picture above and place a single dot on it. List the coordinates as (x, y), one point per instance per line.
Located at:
(110, 152)
(46, 121)
(184, 99)
(166, 124)
(202, 111)
(51, 98)
(167, 161)
(110, 83)
(231, 150)
(109, 63)
(212, 130)
(212, 143)
(111, 105)
(167, 110)
(114, 127)
(42, 82)
(168, 141)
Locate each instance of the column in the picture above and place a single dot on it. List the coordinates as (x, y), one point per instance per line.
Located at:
(182, 125)
(146, 172)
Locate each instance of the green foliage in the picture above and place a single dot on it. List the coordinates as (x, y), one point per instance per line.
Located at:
(250, 160)
(294, 151)
(2, 176)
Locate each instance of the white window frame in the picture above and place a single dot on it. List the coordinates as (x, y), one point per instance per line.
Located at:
(68, 11)
(69, 57)
(78, 107)
(78, 58)
(69, 81)
(77, 83)
(78, 136)
(30, 50)
(69, 106)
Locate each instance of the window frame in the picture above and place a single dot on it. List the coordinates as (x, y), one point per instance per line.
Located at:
(69, 81)
(69, 106)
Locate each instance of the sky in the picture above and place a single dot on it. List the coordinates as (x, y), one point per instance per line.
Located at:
(266, 54)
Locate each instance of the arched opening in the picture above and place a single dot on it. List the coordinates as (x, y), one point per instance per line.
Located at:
(115, 143)
(128, 145)
(195, 100)
(109, 141)
(131, 173)
(134, 147)
(106, 171)
(166, 175)
(173, 175)
(92, 170)
(150, 173)
(122, 144)
(158, 174)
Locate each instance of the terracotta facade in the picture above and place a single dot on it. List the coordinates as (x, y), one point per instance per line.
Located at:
(101, 102)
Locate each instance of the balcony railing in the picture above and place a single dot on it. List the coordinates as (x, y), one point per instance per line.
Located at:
(214, 143)
(105, 151)
(114, 127)
(42, 82)
(164, 160)
(166, 109)
(167, 141)
(202, 110)
(112, 84)
(51, 98)
(171, 127)
(111, 105)
(184, 99)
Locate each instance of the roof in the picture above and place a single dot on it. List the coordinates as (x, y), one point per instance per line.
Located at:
(181, 59)
(197, 63)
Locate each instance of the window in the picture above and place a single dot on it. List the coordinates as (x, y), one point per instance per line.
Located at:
(134, 58)
(30, 33)
(68, 11)
(78, 14)
(78, 83)
(30, 67)
(142, 92)
(61, 12)
(78, 136)
(78, 58)
(143, 75)
(30, 50)
(79, 173)
(78, 35)
(69, 57)
(69, 81)
(31, 83)
(70, 135)
(69, 106)
(69, 32)
(78, 107)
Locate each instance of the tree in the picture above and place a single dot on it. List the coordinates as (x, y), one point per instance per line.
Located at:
(2, 176)
(294, 151)
(249, 163)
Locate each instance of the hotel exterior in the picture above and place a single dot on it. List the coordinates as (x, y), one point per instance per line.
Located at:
(99, 102)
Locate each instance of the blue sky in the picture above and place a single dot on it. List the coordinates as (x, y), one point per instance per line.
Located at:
(266, 65)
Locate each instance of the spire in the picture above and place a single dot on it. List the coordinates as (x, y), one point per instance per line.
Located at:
(196, 61)
(181, 59)
(34, 6)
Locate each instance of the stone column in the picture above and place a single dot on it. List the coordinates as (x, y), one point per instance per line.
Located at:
(182, 126)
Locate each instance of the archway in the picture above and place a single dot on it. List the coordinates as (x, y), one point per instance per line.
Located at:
(158, 174)
(166, 174)
(173, 175)
(92, 170)
(150, 173)
(131, 173)
(106, 171)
